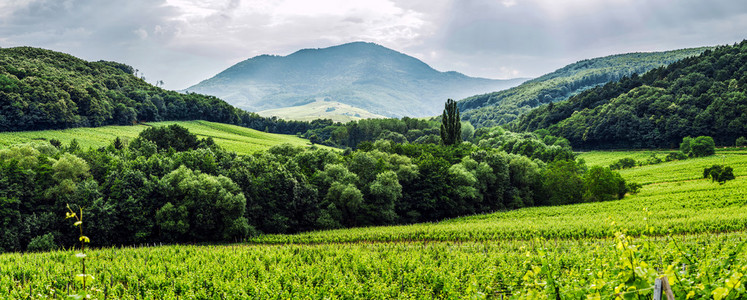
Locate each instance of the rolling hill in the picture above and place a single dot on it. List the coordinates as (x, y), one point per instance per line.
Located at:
(501, 107)
(231, 137)
(703, 95)
(363, 75)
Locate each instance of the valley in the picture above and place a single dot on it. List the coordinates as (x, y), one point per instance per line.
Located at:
(583, 249)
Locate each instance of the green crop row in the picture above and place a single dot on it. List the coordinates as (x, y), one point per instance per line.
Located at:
(518, 269)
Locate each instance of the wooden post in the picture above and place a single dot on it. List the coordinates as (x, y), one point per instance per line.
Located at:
(661, 287)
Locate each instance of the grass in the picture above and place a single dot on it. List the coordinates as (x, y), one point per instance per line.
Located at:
(606, 158)
(239, 139)
(336, 111)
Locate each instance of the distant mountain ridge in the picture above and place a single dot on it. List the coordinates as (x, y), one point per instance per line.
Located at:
(502, 107)
(364, 75)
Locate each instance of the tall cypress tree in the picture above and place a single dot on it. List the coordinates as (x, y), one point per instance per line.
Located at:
(451, 126)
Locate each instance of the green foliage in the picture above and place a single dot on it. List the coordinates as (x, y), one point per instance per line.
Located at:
(588, 250)
(502, 107)
(603, 185)
(741, 142)
(564, 183)
(451, 125)
(623, 163)
(719, 173)
(231, 137)
(139, 194)
(172, 136)
(633, 187)
(675, 156)
(702, 146)
(42, 243)
(43, 89)
(702, 95)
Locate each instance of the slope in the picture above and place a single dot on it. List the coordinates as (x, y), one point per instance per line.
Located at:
(364, 75)
(232, 138)
(501, 107)
(704, 95)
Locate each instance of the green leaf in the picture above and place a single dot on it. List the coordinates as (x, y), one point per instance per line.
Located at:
(720, 293)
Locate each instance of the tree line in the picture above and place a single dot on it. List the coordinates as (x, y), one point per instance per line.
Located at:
(148, 191)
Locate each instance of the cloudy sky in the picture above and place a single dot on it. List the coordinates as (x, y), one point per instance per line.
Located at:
(185, 41)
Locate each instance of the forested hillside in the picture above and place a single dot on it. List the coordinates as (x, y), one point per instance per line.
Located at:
(505, 106)
(702, 95)
(168, 185)
(43, 89)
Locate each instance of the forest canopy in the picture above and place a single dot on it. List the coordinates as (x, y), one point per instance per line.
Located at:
(697, 96)
(148, 191)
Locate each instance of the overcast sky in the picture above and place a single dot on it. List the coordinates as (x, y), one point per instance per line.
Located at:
(185, 41)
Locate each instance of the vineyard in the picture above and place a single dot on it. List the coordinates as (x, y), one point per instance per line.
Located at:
(231, 137)
(679, 225)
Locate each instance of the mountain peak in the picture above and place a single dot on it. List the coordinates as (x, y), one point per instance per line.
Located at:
(360, 74)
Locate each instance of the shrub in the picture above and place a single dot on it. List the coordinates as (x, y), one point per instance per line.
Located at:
(42, 243)
(623, 163)
(633, 187)
(741, 141)
(719, 173)
(698, 147)
(675, 156)
(653, 159)
(602, 184)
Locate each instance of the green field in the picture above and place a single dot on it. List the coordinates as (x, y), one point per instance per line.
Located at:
(680, 225)
(239, 139)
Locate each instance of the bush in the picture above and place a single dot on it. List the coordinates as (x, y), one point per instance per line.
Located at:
(42, 243)
(623, 163)
(698, 147)
(653, 159)
(633, 187)
(741, 141)
(719, 173)
(675, 156)
(603, 185)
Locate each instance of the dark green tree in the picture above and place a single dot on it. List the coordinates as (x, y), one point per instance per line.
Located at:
(451, 126)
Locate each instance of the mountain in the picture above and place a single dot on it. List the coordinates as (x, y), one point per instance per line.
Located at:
(703, 95)
(363, 75)
(501, 107)
(44, 89)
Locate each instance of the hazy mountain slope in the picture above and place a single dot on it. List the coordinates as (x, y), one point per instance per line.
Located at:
(703, 95)
(504, 106)
(364, 75)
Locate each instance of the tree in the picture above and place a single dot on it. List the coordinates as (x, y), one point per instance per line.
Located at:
(741, 141)
(702, 146)
(451, 126)
(563, 183)
(603, 185)
(719, 173)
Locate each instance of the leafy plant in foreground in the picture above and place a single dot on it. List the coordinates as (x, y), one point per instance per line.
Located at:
(83, 241)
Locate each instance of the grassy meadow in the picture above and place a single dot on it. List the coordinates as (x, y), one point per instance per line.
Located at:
(239, 139)
(679, 225)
